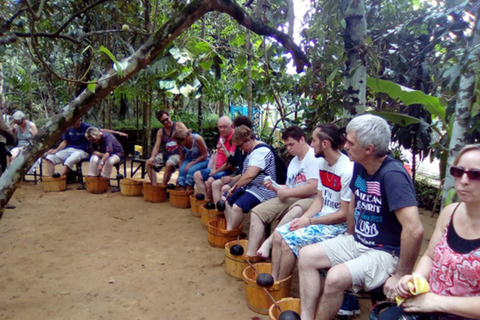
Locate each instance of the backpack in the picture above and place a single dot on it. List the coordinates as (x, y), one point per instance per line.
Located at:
(280, 167)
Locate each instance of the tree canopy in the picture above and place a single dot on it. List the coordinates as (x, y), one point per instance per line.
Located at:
(124, 60)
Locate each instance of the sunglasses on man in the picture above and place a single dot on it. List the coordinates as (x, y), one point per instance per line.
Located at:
(458, 172)
(165, 120)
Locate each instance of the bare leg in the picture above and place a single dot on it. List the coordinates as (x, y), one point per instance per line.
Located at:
(152, 175)
(50, 168)
(276, 254)
(217, 190)
(227, 212)
(65, 171)
(311, 259)
(201, 187)
(255, 235)
(338, 280)
(225, 188)
(295, 212)
(167, 174)
(236, 217)
(287, 262)
(208, 184)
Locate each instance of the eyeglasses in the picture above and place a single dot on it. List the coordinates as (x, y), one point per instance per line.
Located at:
(165, 120)
(458, 172)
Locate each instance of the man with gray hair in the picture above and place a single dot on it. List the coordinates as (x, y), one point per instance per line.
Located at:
(221, 168)
(384, 231)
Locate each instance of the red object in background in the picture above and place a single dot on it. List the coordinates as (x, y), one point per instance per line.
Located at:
(408, 168)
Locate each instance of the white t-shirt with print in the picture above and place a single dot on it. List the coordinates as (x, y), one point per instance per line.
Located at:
(335, 183)
(300, 171)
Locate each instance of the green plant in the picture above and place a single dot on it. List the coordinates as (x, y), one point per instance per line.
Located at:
(427, 194)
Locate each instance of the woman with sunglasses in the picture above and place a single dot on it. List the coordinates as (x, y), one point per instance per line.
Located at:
(170, 157)
(451, 263)
(193, 157)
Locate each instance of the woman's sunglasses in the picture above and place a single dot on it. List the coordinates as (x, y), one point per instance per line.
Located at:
(458, 172)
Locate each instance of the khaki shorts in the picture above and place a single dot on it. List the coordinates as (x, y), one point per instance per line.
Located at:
(173, 160)
(275, 209)
(369, 268)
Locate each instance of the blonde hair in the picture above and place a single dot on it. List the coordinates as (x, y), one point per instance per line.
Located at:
(242, 134)
(180, 134)
(92, 133)
(465, 149)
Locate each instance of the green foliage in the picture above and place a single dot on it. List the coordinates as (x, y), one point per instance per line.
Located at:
(408, 97)
(427, 194)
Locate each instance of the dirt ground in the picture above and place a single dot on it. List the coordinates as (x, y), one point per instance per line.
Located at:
(76, 255)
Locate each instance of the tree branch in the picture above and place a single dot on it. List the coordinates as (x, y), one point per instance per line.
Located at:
(46, 35)
(235, 11)
(52, 131)
(76, 14)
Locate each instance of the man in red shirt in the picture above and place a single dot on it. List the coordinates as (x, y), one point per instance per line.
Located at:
(225, 147)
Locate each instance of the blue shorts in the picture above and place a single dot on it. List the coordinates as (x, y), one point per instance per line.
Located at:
(243, 199)
(206, 174)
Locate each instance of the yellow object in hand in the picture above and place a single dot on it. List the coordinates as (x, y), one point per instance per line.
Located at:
(418, 286)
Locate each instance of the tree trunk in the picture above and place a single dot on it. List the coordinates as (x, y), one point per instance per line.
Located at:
(49, 134)
(149, 120)
(290, 17)
(221, 108)
(249, 74)
(461, 122)
(1, 86)
(355, 79)
(108, 114)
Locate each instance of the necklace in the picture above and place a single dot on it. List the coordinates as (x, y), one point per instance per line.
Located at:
(331, 173)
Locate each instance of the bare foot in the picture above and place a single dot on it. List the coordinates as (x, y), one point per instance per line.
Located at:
(264, 250)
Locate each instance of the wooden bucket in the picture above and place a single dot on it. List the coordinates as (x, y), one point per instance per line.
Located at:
(234, 265)
(195, 205)
(217, 235)
(209, 215)
(131, 187)
(285, 304)
(51, 184)
(96, 185)
(257, 300)
(154, 194)
(180, 198)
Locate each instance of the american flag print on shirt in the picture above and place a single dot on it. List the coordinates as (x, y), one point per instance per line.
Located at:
(368, 187)
(373, 187)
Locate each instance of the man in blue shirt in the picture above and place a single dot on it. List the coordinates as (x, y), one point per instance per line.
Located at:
(72, 149)
(384, 229)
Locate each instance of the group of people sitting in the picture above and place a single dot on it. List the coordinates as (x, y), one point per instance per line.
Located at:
(351, 222)
(80, 142)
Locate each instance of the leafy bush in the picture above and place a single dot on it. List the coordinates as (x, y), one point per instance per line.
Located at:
(426, 194)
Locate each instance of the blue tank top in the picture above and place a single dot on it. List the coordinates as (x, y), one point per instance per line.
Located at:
(193, 152)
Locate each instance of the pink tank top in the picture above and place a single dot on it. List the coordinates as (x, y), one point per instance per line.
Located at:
(453, 273)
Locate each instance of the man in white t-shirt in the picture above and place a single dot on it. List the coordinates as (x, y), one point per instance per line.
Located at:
(292, 199)
(326, 216)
